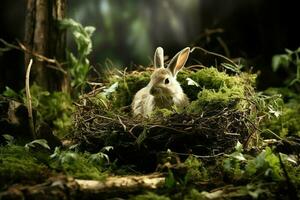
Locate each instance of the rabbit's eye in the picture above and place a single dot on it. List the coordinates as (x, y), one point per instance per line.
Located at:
(167, 81)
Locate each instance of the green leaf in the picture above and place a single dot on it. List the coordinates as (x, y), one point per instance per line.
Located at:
(237, 155)
(41, 142)
(89, 30)
(289, 51)
(10, 93)
(170, 181)
(111, 89)
(98, 158)
(280, 60)
(236, 69)
(107, 148)
(142, 137)
(9, 139)
(238, 147)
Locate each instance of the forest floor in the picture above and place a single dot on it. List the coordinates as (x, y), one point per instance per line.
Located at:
(230, 143)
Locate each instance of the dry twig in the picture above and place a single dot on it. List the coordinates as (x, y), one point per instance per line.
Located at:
(28, 97)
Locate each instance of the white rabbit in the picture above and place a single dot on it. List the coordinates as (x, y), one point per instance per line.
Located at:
(163, 90)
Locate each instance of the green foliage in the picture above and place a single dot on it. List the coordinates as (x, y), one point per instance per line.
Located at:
(129, 84)
(218, 89)
(10, 140)
(79, 64)
(195, 170)
(233, 164)
(41, 142)
(18, 165)
(205, 87)
(287, 123)
(100, 158)
(194, 195)
(53, 108)
(150, 196)
(8, 92)
(288, 60)
(162, 113)
(265, 164)
(170, 181)
(78, 165)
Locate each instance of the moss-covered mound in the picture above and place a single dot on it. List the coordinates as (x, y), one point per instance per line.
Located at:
(17, 165)
(213, 122)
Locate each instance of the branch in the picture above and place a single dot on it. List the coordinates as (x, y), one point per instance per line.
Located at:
(39, 57)
(215, 54)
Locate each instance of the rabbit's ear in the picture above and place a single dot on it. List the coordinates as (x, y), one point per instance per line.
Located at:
(159, 58)
(178, 61)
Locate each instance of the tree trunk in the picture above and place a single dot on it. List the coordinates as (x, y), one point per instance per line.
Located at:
(43, 37)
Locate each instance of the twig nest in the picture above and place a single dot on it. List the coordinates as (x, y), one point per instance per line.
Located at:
(215, 120)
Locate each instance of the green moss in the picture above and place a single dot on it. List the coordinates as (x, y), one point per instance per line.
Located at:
(163, 112)
(128, 86)
(17, 164)
(211, 78)
(196, 170)
(150, 196)
(216, 89)
(194, 195)
(55, 109)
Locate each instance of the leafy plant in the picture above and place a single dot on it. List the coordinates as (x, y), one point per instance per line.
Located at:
(265, 164)
(10, 140)
(170, 181)
(101, 157)
(287, 122)
(287, 60)
(41, 142)
(76, 164)
(54, 108)
(79, 64)
(233, 164)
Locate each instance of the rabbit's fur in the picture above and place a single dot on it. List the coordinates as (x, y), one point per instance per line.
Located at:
(163, 90)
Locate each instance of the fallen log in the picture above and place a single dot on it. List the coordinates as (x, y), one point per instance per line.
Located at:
(63, 187)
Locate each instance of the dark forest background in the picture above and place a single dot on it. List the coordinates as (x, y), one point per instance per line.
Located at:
(127, 32)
